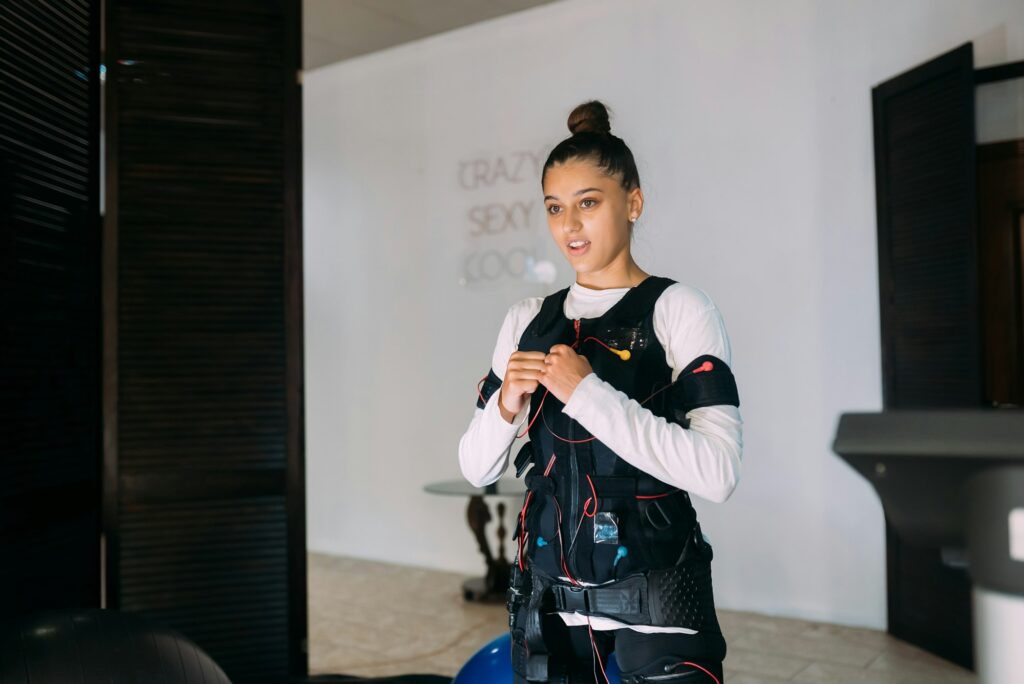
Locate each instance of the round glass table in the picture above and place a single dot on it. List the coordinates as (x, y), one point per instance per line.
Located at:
(492, 586)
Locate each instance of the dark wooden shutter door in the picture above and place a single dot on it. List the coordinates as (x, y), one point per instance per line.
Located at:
(927, 238)
(49, 325)
(204, 509)
(930, 316)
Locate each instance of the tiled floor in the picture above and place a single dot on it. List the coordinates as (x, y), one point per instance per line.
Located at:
(375, 619)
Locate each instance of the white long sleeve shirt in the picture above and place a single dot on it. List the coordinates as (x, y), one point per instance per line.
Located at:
(704, 460)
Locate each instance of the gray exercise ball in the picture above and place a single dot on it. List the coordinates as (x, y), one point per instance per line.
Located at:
(100, 646)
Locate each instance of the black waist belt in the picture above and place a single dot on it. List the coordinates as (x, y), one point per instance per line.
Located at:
(625, 600)
(677, 596)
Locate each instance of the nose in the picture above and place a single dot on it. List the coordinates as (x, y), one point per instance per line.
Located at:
(571, 222)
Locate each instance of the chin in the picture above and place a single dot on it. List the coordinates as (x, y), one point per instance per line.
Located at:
(586, 266)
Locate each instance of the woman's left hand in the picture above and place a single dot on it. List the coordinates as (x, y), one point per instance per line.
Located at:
(563, 370)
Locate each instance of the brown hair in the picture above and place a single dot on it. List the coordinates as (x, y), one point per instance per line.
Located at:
(593, 140)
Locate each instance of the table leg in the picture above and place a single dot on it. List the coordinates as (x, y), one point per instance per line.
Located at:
(492, 586)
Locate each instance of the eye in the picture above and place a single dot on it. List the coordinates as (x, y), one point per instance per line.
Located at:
(589, 199)
(551, 209)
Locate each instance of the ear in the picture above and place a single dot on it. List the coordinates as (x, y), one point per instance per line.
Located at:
(634, 204)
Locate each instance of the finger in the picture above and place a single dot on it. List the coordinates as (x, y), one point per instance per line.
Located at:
(529, 364)
(521, 355)
(528, 374)
(533, 373)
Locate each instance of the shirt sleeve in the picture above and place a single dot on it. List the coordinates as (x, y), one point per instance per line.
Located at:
(703, 459)
(484, 447)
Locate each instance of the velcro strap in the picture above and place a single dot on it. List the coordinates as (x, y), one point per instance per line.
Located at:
(532, 627)
(610, 486)
(539, 483)
(614, 493)
(537, 667)
(626, 488)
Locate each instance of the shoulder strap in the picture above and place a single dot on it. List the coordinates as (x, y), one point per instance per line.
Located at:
(627, 312)
(638, 302)
(551, 310)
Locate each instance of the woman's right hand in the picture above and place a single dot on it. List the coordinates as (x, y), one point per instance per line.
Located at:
(522, 375)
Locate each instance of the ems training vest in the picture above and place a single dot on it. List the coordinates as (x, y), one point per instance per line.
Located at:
(653, 526)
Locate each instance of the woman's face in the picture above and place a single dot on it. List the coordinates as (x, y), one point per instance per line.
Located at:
(588, 215)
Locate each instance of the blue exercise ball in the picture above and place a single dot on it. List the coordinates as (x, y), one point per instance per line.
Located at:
(493, 663)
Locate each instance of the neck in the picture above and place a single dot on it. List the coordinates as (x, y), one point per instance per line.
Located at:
(622, 272)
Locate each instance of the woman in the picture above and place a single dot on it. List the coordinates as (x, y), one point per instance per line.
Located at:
(624, 384)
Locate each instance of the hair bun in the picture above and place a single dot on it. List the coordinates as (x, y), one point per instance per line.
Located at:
(589, 117)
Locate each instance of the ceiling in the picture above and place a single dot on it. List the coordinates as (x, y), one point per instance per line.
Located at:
(336, 30)
(333, 30)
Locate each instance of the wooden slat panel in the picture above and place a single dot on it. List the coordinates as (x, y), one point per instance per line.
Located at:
(214, 570)
(49, 330)
(927, 240)
(930, 323)
(205, 465)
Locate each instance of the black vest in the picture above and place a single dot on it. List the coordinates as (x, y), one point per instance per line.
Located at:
(652, 520)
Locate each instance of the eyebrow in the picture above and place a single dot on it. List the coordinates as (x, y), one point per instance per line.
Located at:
(578, 192)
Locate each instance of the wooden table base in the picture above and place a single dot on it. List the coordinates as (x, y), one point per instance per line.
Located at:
(491, 587)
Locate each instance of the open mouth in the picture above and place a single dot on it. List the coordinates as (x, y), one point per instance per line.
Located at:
(577, 247)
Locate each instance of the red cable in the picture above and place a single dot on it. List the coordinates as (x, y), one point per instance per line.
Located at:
(561, 544)
(597, 653)
(701, 669)
(575, 441)
(478, 389)
(600, 342)
(522, 527)
(657, 496)
(565, 439)
(534, 419)
(593, 498)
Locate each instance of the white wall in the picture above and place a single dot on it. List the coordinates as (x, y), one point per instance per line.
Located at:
(751, 124)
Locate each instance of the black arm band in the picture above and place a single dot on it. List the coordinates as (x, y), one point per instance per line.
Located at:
(706, 381)
(491, 383)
